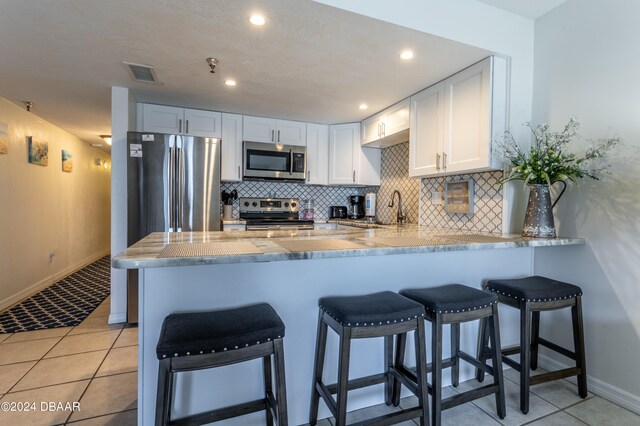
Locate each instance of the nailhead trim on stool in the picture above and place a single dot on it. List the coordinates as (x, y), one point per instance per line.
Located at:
(202, 340)
(532, 295)
(384, 314)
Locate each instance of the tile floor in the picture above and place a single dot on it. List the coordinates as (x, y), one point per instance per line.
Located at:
(95, 364)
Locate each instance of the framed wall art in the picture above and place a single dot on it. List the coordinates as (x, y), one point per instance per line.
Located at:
(4, 141)
(38, 152)
(67, 161)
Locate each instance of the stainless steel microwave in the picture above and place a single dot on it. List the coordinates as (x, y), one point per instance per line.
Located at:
(274, 161)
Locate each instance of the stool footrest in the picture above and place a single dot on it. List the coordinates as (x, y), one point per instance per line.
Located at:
(511, 363)
(477, 364)
(406, 377)
(557, 348)
(391, 418)
(468, 396)
(511, 350)
(222, 413)
(554, 375)
(325, 393)
(361, 382)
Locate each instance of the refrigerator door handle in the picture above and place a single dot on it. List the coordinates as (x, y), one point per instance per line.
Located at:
(180, 187)
(172, 197)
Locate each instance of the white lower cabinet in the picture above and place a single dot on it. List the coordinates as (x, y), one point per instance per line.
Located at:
(349, 162)
(317, 154)
(454, 123)
(231, 151)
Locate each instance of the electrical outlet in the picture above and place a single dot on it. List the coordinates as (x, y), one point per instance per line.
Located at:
(52, 253)
(436, 198)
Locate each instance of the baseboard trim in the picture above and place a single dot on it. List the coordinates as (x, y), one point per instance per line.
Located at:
(117, 318)
(598, 387)
(34, 288)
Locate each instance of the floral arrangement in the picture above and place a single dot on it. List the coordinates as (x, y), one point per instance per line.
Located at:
(547, 160)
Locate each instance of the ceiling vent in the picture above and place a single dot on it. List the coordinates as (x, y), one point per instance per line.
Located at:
(142, 73)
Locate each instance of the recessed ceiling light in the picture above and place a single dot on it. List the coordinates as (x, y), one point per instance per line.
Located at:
(406, 55)
(363, 106)
(257, 20)
(230, 82)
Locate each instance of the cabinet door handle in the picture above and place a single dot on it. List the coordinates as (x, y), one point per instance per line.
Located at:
(278, 135)
(354, 176)
(273, 138)
(379, 131)
(384, 129)
(444, 161)
(238, 172)
(180, 125)
(308, 174)
(437, 162)
(186, 130)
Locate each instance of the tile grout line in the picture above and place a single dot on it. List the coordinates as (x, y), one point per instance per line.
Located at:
(97, 417)
(96, 372)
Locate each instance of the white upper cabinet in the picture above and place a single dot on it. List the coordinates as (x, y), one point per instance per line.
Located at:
(426, 135)
(183, 121)
(454, 123)
(349, 162)
(258, 129)
(231, 148)
(388, 127)
(291, 132)
(269, 130)
(317, 154)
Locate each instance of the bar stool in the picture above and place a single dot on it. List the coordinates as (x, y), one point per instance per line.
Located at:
(383, 314)
(200, 340)
(454, 304)
(531, 295)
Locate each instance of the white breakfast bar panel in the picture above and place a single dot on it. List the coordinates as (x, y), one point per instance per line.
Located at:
(293, 288)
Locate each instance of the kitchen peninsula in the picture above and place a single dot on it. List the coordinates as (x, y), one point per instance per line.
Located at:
(290, 270)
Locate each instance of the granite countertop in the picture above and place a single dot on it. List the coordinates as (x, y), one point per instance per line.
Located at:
(262, 246)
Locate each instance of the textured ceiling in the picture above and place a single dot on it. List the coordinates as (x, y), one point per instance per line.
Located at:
(310, 62)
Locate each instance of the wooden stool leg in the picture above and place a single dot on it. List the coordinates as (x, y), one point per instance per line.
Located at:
(535, 334)
(421, 370)
(483, 346)
(436, 371)
(318, 367)
(496, 361)
(578, 342)
(281, 385)
(455, 349)
(525, 355)
(268, 387)
(343, 376)
(165, 388)
(390, 383)
(401, 344)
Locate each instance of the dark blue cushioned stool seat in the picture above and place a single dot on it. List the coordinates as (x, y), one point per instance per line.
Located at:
(451, 298)
(196, 333)
(381, 308)
(534, 289)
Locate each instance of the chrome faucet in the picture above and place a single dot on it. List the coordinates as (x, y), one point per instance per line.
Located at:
(399, 217)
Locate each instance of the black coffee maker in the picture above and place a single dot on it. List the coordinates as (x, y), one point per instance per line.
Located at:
(356, 208)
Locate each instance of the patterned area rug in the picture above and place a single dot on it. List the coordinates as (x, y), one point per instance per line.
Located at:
(63, 304)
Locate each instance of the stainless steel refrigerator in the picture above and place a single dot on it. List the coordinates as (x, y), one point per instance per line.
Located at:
(173, 185)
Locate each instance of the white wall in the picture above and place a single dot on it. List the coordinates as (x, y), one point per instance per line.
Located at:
(43, 209)
(587, 63)
(123, 119)
(480, 25)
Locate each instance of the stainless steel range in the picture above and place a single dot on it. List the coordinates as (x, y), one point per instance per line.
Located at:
(272, 213)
